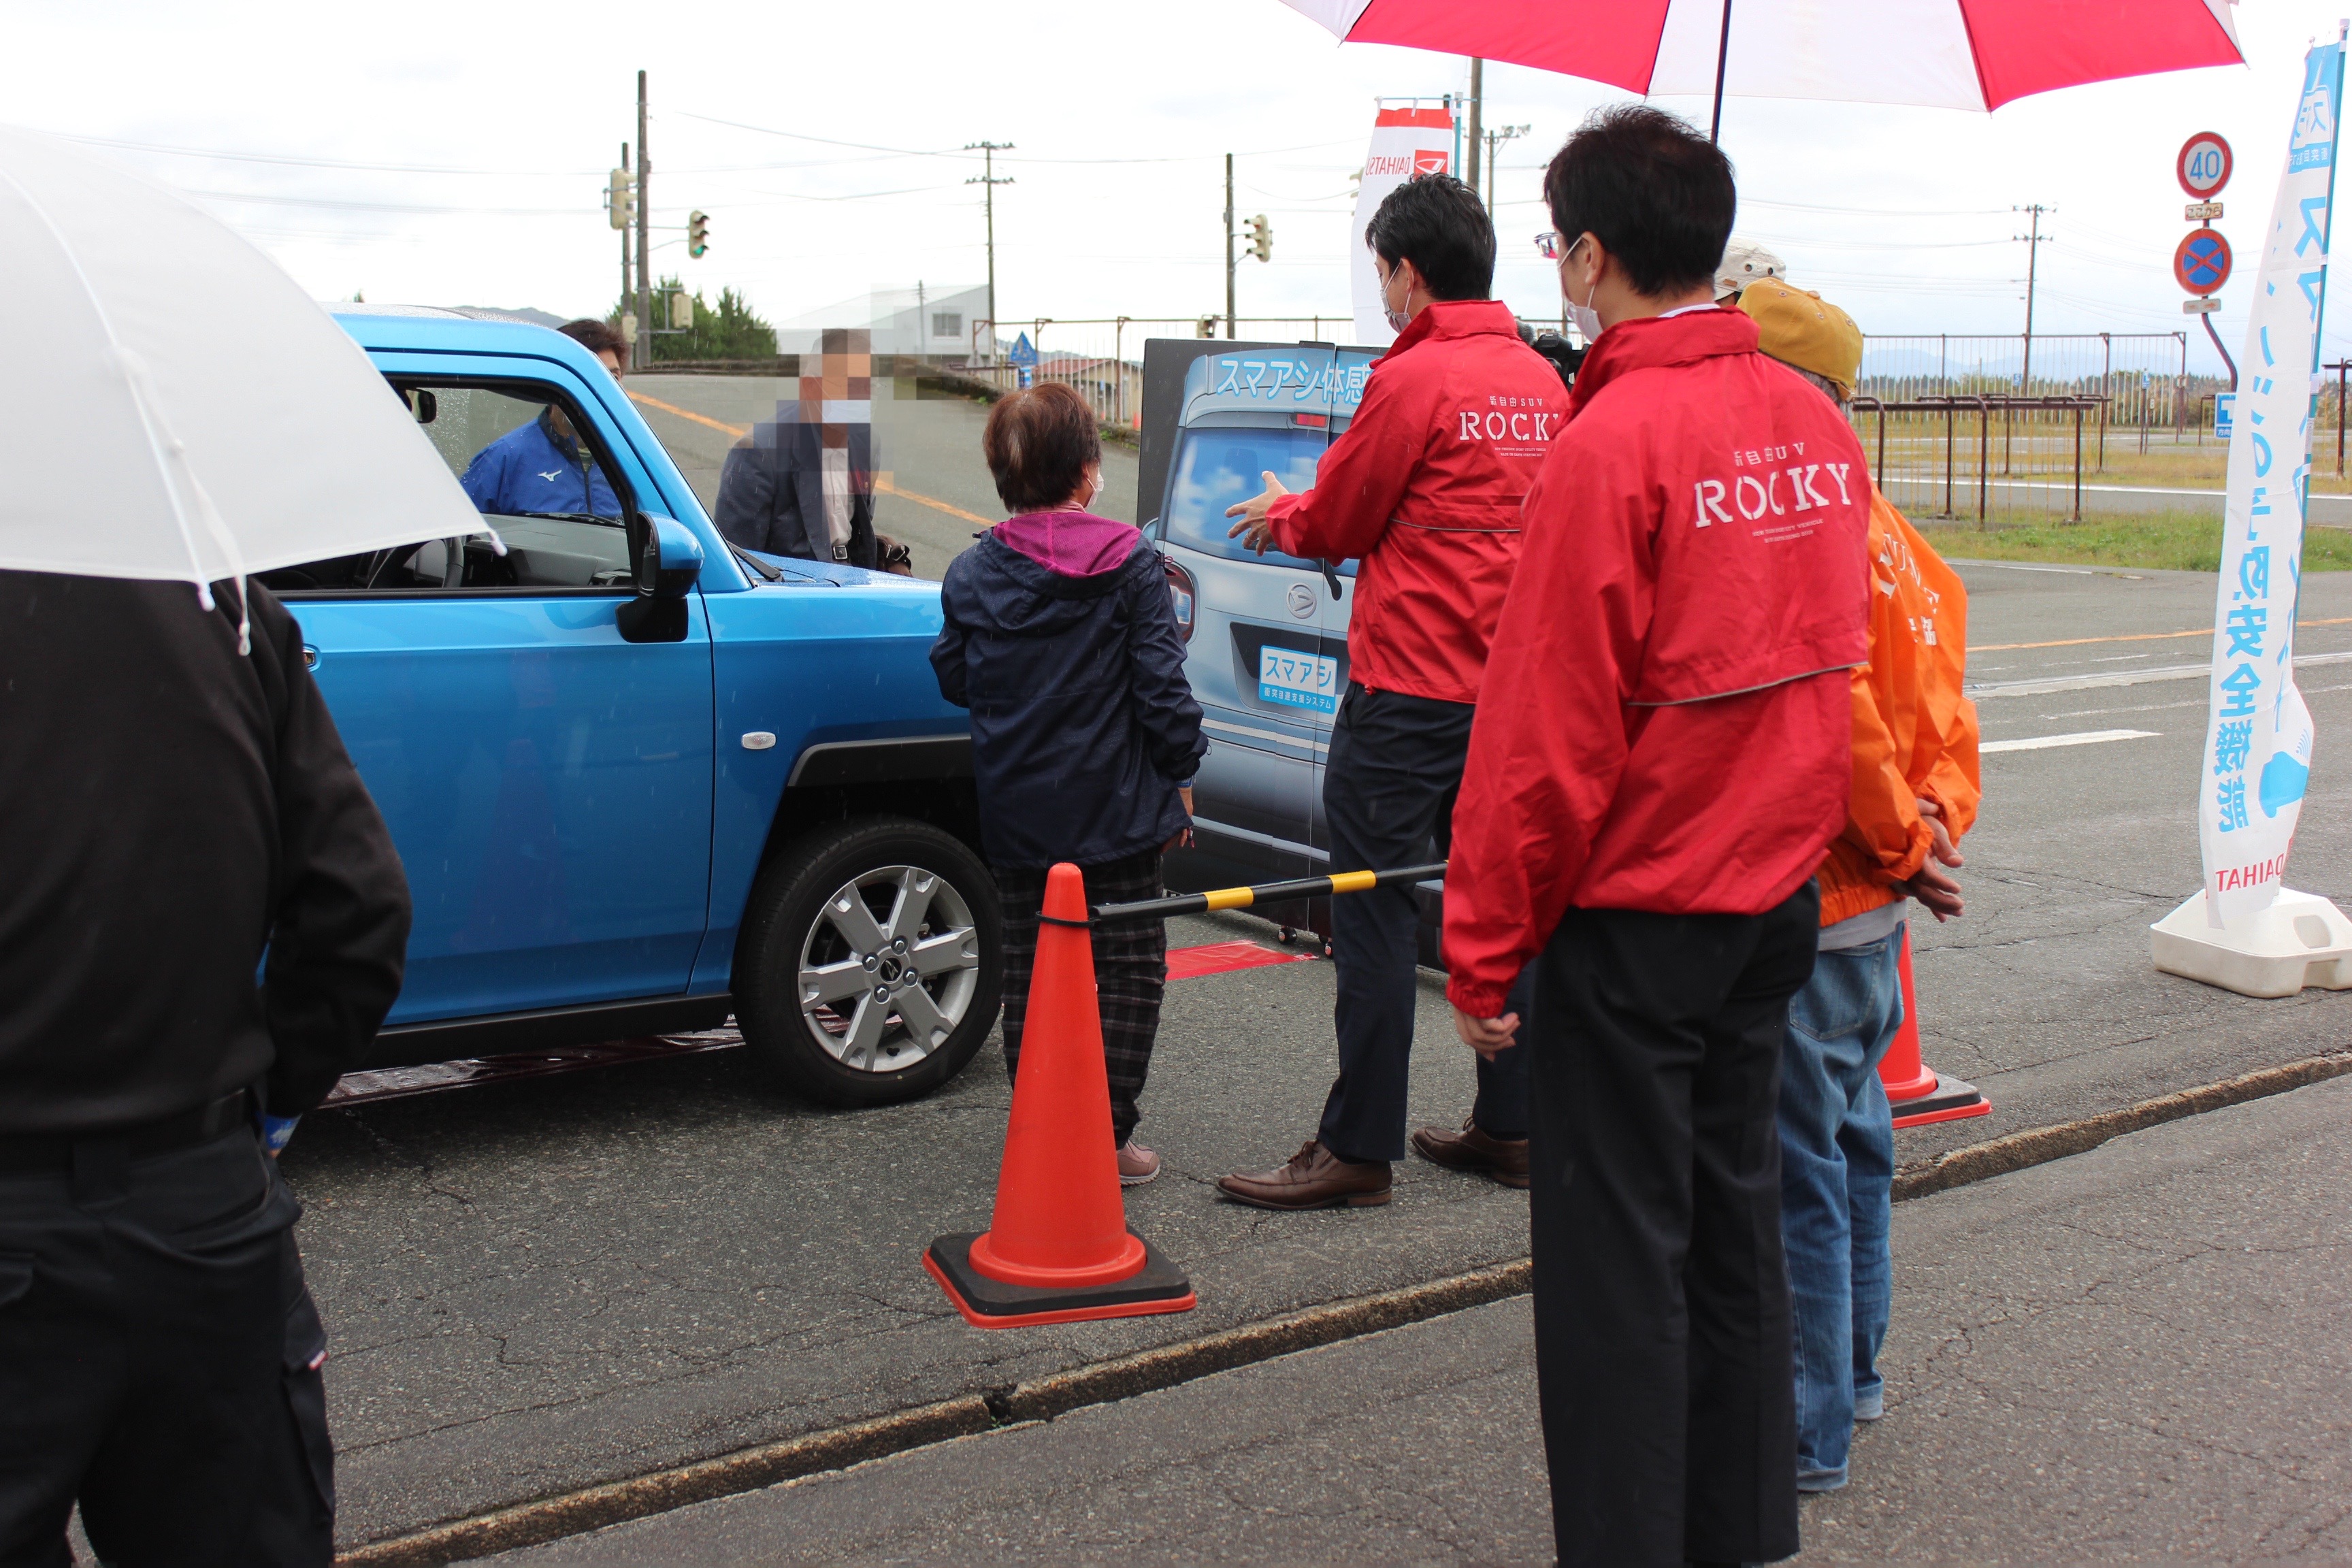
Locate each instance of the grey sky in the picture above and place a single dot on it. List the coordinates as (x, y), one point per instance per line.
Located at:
(486, 130)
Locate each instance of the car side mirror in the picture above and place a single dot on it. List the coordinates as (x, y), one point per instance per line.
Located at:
(668, 565)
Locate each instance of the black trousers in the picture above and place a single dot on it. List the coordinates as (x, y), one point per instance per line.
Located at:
(1130, 972)
(159, 1363)
(1389, 784)
(1663, 1330)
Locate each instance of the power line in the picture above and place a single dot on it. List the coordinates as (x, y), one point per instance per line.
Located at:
(326, 163)
(386, 206)
(960, 152)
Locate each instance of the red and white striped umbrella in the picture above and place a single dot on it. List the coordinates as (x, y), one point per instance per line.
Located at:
(1949, 54)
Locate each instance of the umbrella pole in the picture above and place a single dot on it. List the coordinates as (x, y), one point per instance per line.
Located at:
(1722, 55)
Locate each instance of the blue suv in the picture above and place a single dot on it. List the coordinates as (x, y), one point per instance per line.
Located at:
(640, 779)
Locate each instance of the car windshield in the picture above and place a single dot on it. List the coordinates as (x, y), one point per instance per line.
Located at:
(1221, 466)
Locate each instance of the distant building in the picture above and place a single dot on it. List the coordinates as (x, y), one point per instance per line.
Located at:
(936, 322)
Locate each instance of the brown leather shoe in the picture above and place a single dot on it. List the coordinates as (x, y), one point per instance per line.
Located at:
(1314, 1179)
(1473, 1150)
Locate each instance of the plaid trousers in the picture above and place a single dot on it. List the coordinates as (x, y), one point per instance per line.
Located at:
(1130, 971)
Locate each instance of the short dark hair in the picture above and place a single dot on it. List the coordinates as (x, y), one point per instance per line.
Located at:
(1438, 224)
(1658, 194)
(1038, 444)
(598, 337)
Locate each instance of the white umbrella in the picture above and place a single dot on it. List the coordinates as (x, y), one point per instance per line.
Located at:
(175, 407)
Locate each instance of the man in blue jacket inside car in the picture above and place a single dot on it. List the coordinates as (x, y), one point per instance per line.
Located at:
(546, 465)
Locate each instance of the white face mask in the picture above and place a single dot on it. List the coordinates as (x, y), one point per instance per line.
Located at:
(1398, 320)
(1587, 319)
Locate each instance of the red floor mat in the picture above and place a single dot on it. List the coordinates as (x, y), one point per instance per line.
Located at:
(1217, 957)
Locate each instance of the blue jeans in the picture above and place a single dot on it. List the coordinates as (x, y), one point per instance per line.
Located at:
(1837, 1174)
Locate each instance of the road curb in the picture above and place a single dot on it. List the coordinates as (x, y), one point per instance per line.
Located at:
(748, 1470)
(2039, 1145)
(1166, 1366)
(616, 1502)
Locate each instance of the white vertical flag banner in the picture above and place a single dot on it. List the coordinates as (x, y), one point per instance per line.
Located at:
(2258, 734)
(1407, 143)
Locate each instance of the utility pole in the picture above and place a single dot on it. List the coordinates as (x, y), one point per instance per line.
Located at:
(988, 180)
(622, 223)
(641, 356)
(2034, 241)
(1230, 328)
(1495, 140)
(1477, 94)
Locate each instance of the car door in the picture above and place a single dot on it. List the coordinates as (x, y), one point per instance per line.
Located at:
(546, 782)
(1258, 656)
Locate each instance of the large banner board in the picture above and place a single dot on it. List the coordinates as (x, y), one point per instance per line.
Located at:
(2258, 734)
(1407, 143)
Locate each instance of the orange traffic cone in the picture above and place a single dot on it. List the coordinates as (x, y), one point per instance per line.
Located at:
(1919, 1093)
(1059, 1249)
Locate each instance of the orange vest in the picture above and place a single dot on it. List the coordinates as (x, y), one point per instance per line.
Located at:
(1914, 735)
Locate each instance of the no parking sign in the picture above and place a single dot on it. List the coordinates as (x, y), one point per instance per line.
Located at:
(2201, 263)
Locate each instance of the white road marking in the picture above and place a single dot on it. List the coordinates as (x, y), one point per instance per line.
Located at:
(2045, 685)
(2021, 566)
(2080, 738)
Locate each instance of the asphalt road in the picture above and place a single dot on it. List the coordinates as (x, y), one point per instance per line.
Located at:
(2135, 1355)
(536, 1285)
(936, 488)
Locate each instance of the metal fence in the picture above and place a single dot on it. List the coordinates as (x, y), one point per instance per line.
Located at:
(1102, 356)
(2044, 417)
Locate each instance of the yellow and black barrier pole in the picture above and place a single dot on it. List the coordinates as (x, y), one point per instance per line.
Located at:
(1265, 893)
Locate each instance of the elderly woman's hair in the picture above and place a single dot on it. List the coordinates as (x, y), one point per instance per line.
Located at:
(1038, 444)
(1829, 389)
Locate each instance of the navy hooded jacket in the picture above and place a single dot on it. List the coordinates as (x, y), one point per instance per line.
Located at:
(1083, 724)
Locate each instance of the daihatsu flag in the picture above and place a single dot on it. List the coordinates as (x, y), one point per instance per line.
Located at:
(1406, 144)
(2258, 735)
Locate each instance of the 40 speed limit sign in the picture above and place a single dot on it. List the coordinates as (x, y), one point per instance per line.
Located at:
(2204, 166)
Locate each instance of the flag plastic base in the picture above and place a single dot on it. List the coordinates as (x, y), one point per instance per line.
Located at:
(2301, 940)
(1158, 1287)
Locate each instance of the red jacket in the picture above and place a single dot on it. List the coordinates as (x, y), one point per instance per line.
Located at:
(1675, 647)
(1424, 489)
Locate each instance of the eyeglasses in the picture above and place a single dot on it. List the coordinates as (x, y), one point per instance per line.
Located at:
(1549, 246)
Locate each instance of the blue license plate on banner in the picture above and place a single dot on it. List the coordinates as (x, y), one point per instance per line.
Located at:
(1293, 679)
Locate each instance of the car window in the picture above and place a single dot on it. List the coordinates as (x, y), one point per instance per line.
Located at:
(536, 470)
(1223, 465)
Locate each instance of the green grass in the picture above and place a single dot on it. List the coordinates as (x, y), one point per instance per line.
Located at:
(2167, 541)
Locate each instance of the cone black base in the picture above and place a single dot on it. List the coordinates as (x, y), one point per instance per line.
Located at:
(1158, 1287)
(1952, 1099)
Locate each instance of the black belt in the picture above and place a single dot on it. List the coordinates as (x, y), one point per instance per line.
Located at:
(55, 1151)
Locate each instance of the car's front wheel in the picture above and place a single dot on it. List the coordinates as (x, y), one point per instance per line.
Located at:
(871, 961)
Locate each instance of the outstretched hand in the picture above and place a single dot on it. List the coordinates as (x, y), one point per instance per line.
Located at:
(1252, 513)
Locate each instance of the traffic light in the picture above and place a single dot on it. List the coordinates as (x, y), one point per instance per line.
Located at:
(681, 311)
(1208, 327)
(698, 233)
(621, 198)
(1261, 242)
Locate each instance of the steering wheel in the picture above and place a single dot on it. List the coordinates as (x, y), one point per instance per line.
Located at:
(453, 574)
